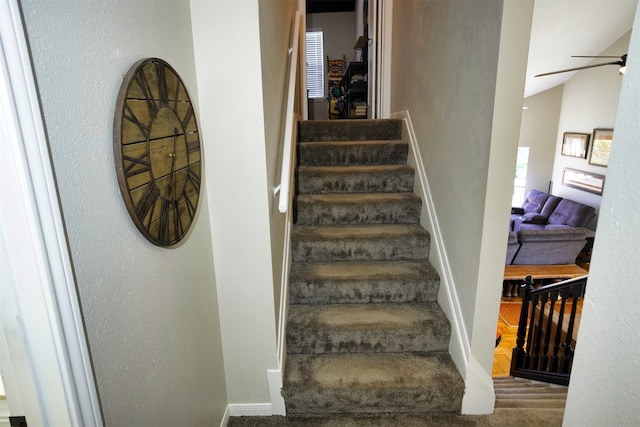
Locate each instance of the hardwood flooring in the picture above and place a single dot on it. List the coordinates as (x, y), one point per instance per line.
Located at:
(502, 353)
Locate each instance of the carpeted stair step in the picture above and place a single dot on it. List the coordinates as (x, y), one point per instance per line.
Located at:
(371, 383)
(530, 391)
(360, 208)
(310, 243)
(391, 328)
(350, 153)
(513, 393)
(355, 179)
(349, 130)
(531, 403)
(363, 282)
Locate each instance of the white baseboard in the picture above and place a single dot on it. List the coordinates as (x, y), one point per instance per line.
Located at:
(4, 412)
(225, 418)
(274, 377)
(249, 410)
(479, 396)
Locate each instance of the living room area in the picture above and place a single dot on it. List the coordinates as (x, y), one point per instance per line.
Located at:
(566, 135)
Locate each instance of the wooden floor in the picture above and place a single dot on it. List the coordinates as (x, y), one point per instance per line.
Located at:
(509, 310)
(502, 354)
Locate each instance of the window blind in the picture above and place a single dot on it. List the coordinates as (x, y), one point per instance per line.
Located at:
(315, 62)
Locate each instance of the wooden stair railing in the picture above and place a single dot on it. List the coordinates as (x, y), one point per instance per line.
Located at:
(545, 342)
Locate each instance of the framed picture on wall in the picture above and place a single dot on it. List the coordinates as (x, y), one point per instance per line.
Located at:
(601, 147)
(575, 144)
(586, 181)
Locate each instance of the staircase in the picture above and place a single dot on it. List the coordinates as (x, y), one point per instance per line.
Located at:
(520, 393)
(365, 334)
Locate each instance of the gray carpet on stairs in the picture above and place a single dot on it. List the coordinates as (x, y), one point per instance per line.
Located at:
(529, 404)
(365, 334)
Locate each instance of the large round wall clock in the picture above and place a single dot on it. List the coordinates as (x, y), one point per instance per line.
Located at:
(157, 151)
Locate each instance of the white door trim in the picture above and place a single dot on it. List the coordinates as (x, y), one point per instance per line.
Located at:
(383, 89)
(43, 349)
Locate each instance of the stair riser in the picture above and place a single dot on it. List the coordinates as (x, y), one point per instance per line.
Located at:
(336, 154)
(309, 212)
(414, 247)
(349, 130)
(312, 292)
(533, 404)
(323, 182)
(433, 337)
(374, 402)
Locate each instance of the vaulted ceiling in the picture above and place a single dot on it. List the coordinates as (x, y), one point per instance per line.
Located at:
(562, 28)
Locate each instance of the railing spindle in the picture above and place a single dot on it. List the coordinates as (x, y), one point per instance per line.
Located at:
(531, 357)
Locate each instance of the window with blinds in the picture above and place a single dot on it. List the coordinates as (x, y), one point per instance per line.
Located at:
(315, 61)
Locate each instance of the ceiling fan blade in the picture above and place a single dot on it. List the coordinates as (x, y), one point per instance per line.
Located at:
(580, 68)
(596, 56)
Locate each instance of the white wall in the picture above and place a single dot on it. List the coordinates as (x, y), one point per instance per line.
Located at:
(539, 132)
(604, 387)
(589, 101)
(150, 313)
(338, 31)
(276, 22)
(228, 63)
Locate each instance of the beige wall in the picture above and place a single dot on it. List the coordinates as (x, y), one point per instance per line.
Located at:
(150, 313)
(444, 72)
(459, 67)
(539, 132)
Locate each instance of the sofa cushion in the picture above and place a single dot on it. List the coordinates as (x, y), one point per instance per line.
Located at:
(534, 218)
(534, 201)
(552, 246)
(572, 214)
(536, 210)
(550, 205)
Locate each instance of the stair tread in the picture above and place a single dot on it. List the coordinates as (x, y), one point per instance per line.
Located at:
(372, 383)
(361, 129)
(382, 327)
(363, 282)
(542, 390)
(360, 197)
(354, 168)
(529, 403)
(365, 316)
(529, 396)
(371, 371)
(362, 270)
(348, 142)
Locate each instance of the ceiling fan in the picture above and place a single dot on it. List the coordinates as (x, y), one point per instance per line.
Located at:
(622, 62)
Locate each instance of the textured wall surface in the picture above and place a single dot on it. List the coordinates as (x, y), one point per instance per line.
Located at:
(276, 25)
(604, 386)
(150, 313)
(444, 66)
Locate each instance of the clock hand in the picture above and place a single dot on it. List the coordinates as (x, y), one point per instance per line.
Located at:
(172, 182)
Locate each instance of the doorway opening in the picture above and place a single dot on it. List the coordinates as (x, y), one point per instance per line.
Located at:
(348, 65)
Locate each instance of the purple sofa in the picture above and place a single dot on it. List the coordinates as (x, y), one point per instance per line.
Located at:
(546, 247)
(543, 211)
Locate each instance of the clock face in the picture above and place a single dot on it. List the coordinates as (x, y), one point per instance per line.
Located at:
(157, 151)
